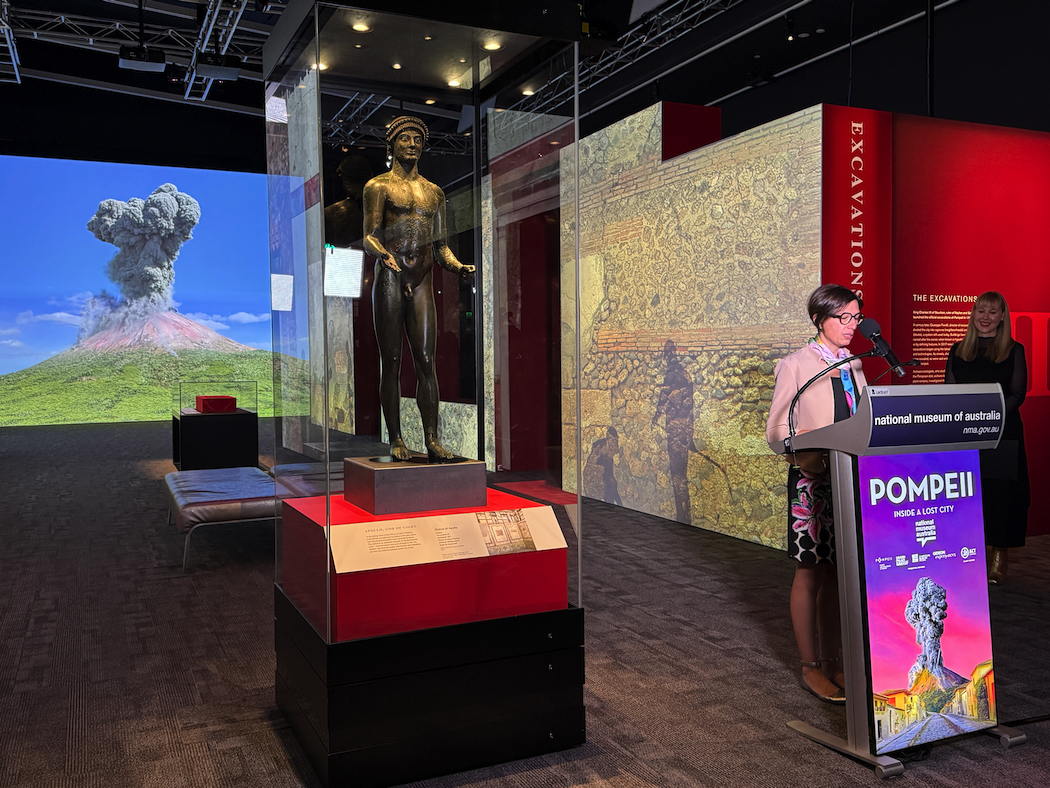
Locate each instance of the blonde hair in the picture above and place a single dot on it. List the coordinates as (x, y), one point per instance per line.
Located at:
(1002, 343)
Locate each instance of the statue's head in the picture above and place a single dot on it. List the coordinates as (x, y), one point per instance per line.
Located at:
(401, 125)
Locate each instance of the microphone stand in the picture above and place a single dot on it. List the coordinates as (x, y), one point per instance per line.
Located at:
(913, 363)
(814, 379)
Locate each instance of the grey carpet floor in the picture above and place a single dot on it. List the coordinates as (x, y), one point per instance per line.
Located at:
(117, 669)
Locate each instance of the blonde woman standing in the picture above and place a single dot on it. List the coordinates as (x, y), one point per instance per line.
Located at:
(989, 354)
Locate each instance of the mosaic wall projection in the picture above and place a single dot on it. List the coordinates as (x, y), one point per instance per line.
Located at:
(694, 278)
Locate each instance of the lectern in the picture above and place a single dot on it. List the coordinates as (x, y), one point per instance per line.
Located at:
(909, 541)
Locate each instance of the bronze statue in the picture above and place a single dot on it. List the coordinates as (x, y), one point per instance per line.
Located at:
(405, 230)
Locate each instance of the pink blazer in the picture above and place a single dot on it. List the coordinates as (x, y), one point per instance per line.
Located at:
(816, 408)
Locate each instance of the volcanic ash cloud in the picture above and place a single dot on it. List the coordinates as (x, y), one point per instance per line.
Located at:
(149, 234)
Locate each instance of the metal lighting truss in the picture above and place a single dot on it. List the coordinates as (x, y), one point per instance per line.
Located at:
(651, 33)
(224, 32)
(375, 137)
(216, 36)
(8, 50)
(654, 31)
(108, 35)
(352, 126)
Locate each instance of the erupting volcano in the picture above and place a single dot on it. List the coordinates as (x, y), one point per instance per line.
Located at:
(148, 234)
(166, 330)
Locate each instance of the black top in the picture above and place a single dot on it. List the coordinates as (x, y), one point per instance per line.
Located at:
(1011, 374)
(1005, 489)
(841, 403)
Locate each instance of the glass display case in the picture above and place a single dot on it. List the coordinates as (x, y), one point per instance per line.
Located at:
(215, 424)
(423, 266)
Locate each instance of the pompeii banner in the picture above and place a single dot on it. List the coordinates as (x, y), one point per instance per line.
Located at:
(929, 636)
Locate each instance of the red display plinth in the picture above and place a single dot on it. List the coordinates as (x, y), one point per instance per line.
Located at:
(216, 404)
(405, 598)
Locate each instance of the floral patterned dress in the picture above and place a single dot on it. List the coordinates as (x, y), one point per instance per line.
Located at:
(811, 525)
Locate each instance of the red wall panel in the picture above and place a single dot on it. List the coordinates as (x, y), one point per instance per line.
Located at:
(970, 206)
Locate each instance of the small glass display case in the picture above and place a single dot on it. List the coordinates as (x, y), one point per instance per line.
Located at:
(215, 424)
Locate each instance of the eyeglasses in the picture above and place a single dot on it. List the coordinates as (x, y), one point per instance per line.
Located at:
(846, 317)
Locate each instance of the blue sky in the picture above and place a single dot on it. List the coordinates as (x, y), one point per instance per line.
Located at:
(51, 262)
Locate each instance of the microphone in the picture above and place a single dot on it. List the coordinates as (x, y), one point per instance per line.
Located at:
(873, 331)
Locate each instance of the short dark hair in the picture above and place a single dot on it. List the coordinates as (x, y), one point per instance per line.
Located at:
(829, 300)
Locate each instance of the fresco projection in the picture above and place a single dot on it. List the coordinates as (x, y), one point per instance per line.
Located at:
(694, 277)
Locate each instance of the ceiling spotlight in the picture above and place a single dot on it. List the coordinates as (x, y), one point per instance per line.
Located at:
(430, 101)
(453, 83)
(820, 30)
(359, 46)
(789, 24)
(555, 142)
(462, 60)
(428, 38)
(493, 46)
(320, 67)
(362, 27)
(174, 73)
(527, 92)
(395, 66)
(803, 35)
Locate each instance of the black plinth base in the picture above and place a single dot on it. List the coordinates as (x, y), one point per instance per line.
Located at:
(214, 440)
(388, 710)
(381, 486)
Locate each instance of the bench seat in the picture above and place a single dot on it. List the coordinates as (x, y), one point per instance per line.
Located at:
(217, 495)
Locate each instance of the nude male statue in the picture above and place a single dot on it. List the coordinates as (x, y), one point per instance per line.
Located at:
(404, 229)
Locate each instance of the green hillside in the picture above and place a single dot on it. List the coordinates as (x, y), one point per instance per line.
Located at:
(132, 385)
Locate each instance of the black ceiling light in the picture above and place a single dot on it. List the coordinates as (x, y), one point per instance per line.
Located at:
(174, 73)
(789, 23)
(225, 67)
(142, 58)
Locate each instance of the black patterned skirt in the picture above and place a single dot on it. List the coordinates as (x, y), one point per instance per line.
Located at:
(811, 525)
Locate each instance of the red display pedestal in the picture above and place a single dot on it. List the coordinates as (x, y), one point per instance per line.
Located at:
(420, 596)
(402, 672)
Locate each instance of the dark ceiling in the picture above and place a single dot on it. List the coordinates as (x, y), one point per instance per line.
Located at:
(696, 51)
(739, 43)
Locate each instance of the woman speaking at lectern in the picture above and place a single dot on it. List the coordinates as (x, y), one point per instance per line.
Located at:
(989, 354)
(835, 312)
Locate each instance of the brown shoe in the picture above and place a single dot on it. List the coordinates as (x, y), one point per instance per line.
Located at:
(837, 696)
(997, 566)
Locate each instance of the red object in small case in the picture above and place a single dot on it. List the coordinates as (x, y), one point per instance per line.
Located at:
(216, 404)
